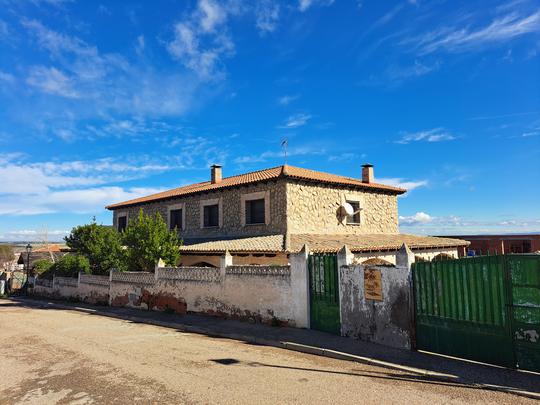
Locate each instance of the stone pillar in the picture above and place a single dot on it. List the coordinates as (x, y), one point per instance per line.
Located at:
(110, 286)
(225, 260)
(78, 279)
(300, 287)
(344, 259)
(158, 265)
(405, 259)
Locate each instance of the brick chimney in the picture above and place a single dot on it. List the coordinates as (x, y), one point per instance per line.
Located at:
(367, 173)
(215, 174)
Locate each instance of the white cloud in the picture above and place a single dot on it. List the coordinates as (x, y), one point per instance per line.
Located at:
(32, 235)
(82, 201)
(266, 15)
(432, 135)
(57, 43)
(141, 44)
(296, 120)
(418, 218)
(6, 77)
(303, 5)
(52, 81)
(399, 73)
(103, 82)
(346, 157)
(287, 99)
(198, 43)
(265, 156)
(212, 15)
(422, 223)
(409, 185)
(72, 186)
(4, 30)
(464, 38)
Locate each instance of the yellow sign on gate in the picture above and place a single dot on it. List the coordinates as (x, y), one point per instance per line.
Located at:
(373, 284)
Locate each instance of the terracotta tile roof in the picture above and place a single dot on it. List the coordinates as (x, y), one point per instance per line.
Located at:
(49, 248)
(258, 176)
(321, 243)
(270, 243)
(368, 242)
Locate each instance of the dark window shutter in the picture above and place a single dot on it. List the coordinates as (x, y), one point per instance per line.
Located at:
(122, 223)
(255, 211)
(211, 215)
(176, 219)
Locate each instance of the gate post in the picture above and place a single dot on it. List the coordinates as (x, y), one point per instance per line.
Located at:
(225, 261)
(300, 287)
(344, 258)
(405, 259)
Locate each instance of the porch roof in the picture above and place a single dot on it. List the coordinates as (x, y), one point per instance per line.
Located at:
(293, 243)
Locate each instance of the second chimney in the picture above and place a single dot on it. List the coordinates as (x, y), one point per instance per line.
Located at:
(215, 174)
(367, 173)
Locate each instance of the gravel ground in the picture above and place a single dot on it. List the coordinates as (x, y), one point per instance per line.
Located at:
(53, 356)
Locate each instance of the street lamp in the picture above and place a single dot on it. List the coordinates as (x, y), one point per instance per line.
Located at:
(28, 251)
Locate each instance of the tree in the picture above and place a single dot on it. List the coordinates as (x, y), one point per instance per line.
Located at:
(148, 239)
(7, 254)
(42, 266)
(101, 245)
(70, 265)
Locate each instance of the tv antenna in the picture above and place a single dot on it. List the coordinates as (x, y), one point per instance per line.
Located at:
(284, 145)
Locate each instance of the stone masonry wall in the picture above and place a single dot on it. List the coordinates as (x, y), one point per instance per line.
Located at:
(313, 209)
(295, 207)
(231, 207)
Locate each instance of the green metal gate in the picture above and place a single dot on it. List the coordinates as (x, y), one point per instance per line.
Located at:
(524, 275)
(483, 308)
(324, 293)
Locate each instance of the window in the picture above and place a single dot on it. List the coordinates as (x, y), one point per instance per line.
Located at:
(211, 215)
(175, 219)
(255, 208)
(255, 211)
(122, 223)
(355, 217)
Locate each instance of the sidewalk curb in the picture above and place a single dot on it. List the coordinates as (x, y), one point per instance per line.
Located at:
(296, 347)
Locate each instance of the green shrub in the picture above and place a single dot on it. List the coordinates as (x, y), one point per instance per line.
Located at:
(70, 265)
(101, 245)
(148, 239)
(42, 266)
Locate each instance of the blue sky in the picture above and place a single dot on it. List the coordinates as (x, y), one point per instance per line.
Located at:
(105, 101)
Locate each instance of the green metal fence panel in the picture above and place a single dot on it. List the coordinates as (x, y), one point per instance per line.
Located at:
(461, 309)
(324, 293)
(484, 308)
(524, 275)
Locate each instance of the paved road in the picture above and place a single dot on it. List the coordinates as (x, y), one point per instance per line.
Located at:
(54, 356)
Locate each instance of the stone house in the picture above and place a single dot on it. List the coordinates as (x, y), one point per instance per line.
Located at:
(263, 216)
